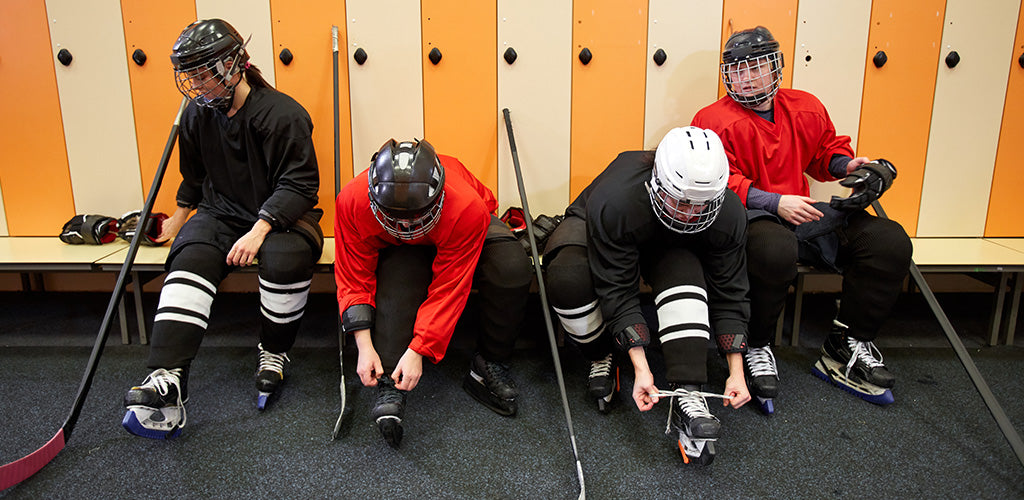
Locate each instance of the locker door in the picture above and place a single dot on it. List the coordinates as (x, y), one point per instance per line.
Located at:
(152, 28)
(31, 132)
(779, 16)
(608, 92)
(386, 91)
(460, 92)
(252, 22)
(536, 87)
(898, 97)
(832, 67)
(965, 118)
(95, 101)
(688, 34)
(1008, 178)
(304, 29)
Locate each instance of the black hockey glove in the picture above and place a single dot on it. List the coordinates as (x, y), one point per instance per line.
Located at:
(633, 336)
(129, 223)
(868, 183)
(89, 229)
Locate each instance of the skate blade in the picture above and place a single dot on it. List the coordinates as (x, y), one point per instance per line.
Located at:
(767, 405)
(148, 428)
(503, 407)
(701, 451)
(391, 430)
(604, 405)
(262, 399)
(832, 372)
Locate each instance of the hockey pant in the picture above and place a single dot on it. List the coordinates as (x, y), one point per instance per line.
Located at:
(194, 274)
(677, 282)
(874, 254)
(502, 281)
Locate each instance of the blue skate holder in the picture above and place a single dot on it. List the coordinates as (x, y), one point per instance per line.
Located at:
(132, 425)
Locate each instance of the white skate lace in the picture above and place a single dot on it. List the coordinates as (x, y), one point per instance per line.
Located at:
(693, 403)
(161, 381)
(761, 361)
(271, 361)
(864, 351)
(601, 368)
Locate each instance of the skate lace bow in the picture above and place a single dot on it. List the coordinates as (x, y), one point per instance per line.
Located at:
(271, 361)
(693, 403)
(602, 367)
(162, 380)
(761, 361)
(864, 351)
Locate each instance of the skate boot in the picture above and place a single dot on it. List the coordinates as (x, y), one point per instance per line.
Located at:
(388, 410)
(491, 384)
(762, 376)
(269, 375)
(603, 382)
(156, 409)
(854, 366)
(696, 427)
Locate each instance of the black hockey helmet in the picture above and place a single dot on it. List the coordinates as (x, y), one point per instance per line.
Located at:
(406, 188)
(752, 66)
(201, 58)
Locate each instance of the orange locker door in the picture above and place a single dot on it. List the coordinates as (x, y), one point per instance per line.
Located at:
(779, 16)
(460, 90)
(901, 64)
(970, 90)
(536, 88)
(303, 28)
(150, 30)
(1008, 178)
(31, 132)
(607, 86)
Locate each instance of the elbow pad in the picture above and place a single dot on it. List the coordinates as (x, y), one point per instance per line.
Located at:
(633, 336)
(732, 342)
(357, 317)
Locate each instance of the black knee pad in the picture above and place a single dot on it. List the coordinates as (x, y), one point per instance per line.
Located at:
(772, 252)
(503, 264)
(568, 279)
(285, 257)
(199, 258)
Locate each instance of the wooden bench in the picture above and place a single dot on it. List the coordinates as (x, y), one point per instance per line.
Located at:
(1001, 257)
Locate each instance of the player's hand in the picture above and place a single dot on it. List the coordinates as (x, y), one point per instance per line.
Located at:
(736, 388)
(644, 390)
(409, 370)
(798, 209)
(368, 367)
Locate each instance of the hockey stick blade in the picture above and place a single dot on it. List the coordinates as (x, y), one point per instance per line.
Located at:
(342, 426)
(23, 468)
(544, 299)
(965, 358)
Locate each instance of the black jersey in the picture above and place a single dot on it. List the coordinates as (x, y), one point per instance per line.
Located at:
(621, 223)
(259, 163)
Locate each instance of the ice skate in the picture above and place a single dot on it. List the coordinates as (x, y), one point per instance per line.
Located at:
(388, 410)
(269, 375)
(603, 382)
(762, 376)
(696, 427)
(156, 409)
(491, 384)
(854, 366)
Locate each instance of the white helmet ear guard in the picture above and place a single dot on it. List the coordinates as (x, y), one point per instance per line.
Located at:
(688, 182)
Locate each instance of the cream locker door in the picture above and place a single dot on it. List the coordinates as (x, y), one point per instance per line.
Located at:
(252, 20)
(386, 91)
(966, 116)
(3, 216)
(688, 34)
(832, 67)
(535, 88)
(95, 101)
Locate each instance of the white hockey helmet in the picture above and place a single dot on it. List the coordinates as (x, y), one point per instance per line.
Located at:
(688, 182)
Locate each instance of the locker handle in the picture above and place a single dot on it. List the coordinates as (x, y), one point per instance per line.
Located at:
(510, 55)
(880, 59)
(585, 56)
(64, 56)
(1020, 60)
(952, 59)
(360, 56)
(660, 56)
(139, 57)
(285, 56)
(434, 56)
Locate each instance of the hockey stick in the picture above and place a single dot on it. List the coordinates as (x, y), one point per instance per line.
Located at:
(544, 299)
(965, 359)
(337, 189)
(21, 469)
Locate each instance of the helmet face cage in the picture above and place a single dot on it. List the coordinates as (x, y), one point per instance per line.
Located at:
(408, 228)
(753, 81)
(206, 58)
(404, 211)
(682, 215)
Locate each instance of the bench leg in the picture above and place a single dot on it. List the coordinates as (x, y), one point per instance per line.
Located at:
(1011, 322)
(779, 325)
(140, 315)
(123, 322)
(798, 305)
(997, 309)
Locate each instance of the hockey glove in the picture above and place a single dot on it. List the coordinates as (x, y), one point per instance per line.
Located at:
(633, 336)
(89, 229)
(732, 342)
(868, 183)
(151, 231)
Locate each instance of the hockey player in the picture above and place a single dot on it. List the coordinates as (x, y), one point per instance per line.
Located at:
(249, 173)
(413, 233)
(667, 217)
(773, 137)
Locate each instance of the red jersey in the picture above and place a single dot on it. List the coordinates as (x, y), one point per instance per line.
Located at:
(774, 156)
(459, 238)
